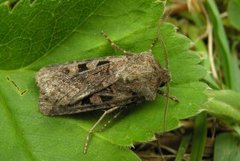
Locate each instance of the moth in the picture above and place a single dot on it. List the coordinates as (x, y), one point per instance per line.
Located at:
(105, 83)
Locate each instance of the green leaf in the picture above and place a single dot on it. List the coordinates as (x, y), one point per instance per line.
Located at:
(234, 12)
(47, 32)
(224, 104)
(227, 147)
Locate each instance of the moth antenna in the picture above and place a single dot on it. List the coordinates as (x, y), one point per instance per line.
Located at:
(162, 43)
(165, 54)
(153, 44)
(166, 107)
(115, 46)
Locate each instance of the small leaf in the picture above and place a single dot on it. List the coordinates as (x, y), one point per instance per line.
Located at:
(224, 104)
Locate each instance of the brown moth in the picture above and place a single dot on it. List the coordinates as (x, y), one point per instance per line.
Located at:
(106, 83)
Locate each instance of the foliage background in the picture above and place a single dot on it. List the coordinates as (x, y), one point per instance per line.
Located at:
(44, 32)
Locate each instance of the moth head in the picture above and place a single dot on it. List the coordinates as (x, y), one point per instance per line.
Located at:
(164, 77)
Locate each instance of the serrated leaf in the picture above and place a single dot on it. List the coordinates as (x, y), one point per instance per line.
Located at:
(48, 32)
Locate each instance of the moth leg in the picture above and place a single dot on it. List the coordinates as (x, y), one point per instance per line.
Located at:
(115, 46)
(109, 121)
(173, 98)
(94, 126)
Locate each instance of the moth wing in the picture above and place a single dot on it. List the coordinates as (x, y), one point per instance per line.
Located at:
(104, 99)
(67, 85)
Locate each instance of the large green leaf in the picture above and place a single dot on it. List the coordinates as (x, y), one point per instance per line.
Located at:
(47, 32)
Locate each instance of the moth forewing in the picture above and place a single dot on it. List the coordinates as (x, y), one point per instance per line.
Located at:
(102, 83)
